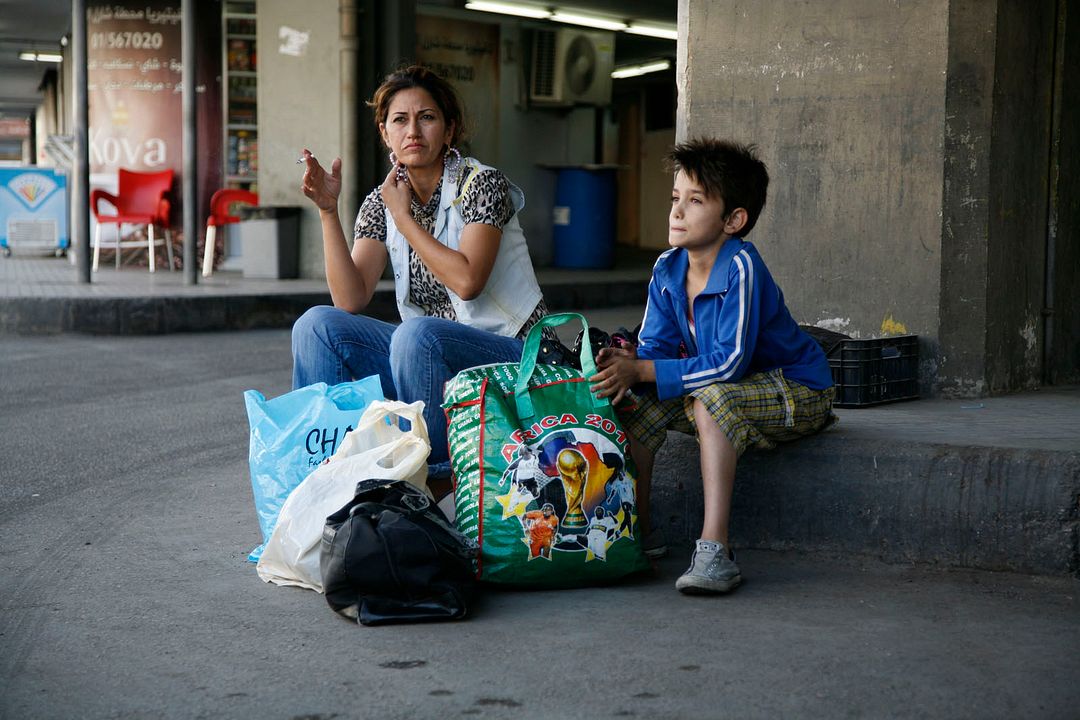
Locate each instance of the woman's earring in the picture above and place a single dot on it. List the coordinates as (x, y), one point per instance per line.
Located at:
(401, 171)
(452, 163)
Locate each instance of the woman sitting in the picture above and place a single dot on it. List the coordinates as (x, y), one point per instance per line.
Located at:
(463, 278)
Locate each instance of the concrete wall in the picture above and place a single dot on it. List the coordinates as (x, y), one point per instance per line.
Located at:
(846, 103)
(299, 106)
(923, 160)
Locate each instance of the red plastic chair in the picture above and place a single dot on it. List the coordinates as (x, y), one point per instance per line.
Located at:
(221, 203)
(140, 200)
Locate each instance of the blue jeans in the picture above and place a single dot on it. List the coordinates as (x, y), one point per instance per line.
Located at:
(414, 359)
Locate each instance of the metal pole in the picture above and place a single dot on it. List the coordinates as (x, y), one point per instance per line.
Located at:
(350, 105)
(191, 180)
(80, 168)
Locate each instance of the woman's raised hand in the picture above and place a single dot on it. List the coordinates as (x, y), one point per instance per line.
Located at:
(396, 194)
(321, 187)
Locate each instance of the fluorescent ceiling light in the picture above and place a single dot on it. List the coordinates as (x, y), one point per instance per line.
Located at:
(667, 32)
(529, 11)
(41, 57)
(588, 21)
(643, 69)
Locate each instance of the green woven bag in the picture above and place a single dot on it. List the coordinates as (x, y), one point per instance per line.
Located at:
(544, 481)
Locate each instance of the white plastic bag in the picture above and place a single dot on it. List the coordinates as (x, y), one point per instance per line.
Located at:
(377, 448)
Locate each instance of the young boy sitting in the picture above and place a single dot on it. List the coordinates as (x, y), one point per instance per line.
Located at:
(728, 361)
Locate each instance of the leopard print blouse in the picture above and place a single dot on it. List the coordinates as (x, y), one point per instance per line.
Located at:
(487, 200)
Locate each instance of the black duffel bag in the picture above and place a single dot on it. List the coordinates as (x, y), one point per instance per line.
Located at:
(391, 556)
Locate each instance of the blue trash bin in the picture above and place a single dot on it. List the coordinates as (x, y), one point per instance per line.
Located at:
(584, 217)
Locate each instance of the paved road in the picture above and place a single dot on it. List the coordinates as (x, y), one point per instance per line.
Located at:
(125, 516)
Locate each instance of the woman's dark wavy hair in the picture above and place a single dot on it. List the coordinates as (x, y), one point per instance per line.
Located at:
(727, 170)
(418, 76)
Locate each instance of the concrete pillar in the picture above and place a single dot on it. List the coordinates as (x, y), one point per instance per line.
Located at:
(1007, 113)
(909, 146)
(190, 191)
(846, 103)
(1063, 217)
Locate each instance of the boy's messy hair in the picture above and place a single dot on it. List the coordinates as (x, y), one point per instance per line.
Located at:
(727, 170)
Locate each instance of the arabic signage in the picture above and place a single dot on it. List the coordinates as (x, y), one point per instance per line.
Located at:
(466, 54)
(133, 78)
(134, 83)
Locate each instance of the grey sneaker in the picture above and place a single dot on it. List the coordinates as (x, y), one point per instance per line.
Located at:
(711, 571)
(654, 545)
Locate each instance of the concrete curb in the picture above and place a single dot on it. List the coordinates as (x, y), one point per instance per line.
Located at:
(155, 315)
(990, 508)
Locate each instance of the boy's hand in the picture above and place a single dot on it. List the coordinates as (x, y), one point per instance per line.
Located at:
(618, 373)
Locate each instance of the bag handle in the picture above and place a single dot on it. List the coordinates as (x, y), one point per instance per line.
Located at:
(532, 349)
(383, 414)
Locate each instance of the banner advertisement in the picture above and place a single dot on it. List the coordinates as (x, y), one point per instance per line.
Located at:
(133, 78)
(134, 83)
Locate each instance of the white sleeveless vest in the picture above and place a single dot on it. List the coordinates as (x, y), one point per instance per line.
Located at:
(511, 293)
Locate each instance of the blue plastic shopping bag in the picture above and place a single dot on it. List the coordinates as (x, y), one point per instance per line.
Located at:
(293, 434)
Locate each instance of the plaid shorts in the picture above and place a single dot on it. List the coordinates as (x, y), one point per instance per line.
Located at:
(758, 411)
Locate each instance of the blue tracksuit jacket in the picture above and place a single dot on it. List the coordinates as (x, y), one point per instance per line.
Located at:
(741, 322)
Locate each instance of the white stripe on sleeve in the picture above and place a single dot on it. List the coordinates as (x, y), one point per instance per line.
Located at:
(746, 291)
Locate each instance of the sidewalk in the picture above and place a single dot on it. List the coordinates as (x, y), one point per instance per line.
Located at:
(42, 296)
(126, 515)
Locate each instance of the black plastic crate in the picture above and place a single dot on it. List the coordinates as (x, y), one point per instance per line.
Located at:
(875, 371)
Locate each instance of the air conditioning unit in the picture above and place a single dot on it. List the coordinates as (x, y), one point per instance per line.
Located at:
(572, 67)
